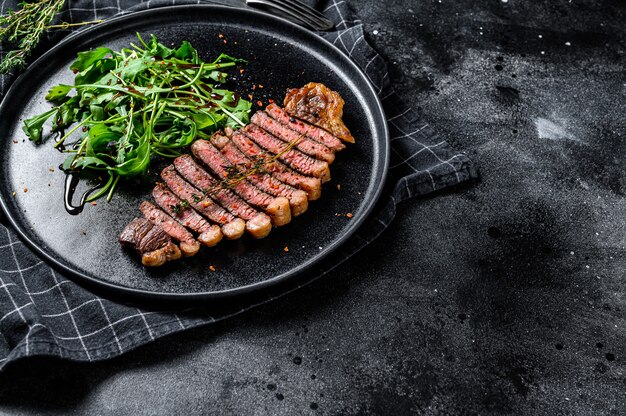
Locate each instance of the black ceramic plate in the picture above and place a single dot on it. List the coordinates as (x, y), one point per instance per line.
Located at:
(280, 55)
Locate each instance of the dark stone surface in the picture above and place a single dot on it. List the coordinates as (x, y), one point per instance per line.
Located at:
(510, 299)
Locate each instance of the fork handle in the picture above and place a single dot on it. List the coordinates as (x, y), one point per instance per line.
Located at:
(315, 24)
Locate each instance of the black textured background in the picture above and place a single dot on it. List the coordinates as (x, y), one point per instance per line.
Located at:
(509, 301)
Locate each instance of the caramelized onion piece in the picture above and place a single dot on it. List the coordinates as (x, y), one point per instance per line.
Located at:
(318, 105)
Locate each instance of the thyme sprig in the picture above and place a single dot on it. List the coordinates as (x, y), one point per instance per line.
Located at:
(24, 28)
(180, 207)
(241, 171)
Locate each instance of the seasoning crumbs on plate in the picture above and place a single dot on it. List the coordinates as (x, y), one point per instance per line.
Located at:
(348, 215)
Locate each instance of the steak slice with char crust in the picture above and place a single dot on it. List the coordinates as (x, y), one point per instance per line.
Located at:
(232, 227)
(302, 142)
(208, 234)
(153, 244)
(277, 208)
(298, 200)
(258, 224)
(132, 234)
(294, 158)
(314, 132)
(187, 244)
(319, 105)
(161, 256)
(311, 185)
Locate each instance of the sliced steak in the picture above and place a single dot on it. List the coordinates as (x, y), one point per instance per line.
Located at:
(135, 230)
(161, 256)
(312, 186)
(258, 224)
(314, 132)
(208, 234)
(277, 208)
(154, 239)
(300, 141)
(188, 245)
(294, 158)
(153, 244)
(232, 227)
(298, 200)
(319, 105)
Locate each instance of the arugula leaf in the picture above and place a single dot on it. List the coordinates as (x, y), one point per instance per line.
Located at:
(95, 71)
(187, 52)
(180, 134)
(207, 120)
(88, 162)
(87, 59)
(217, 76)
(67, 163)
(58, 92)
(67, 114)
(157, 49)
(222, 58)
(33, 127)
(96, 111)
(100, 135)
(136, 162)
(133, 67)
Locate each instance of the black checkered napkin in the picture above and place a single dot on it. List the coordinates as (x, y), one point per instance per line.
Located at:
(44, 313)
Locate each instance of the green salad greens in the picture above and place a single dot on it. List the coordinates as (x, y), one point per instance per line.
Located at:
(127, 106)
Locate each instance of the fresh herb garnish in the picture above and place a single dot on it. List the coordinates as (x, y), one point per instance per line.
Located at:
(23, 29)
(142, 101)
(180, 207)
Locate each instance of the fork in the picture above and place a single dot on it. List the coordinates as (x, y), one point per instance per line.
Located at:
(297, 10)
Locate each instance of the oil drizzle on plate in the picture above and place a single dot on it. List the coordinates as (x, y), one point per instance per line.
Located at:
(71, 181)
